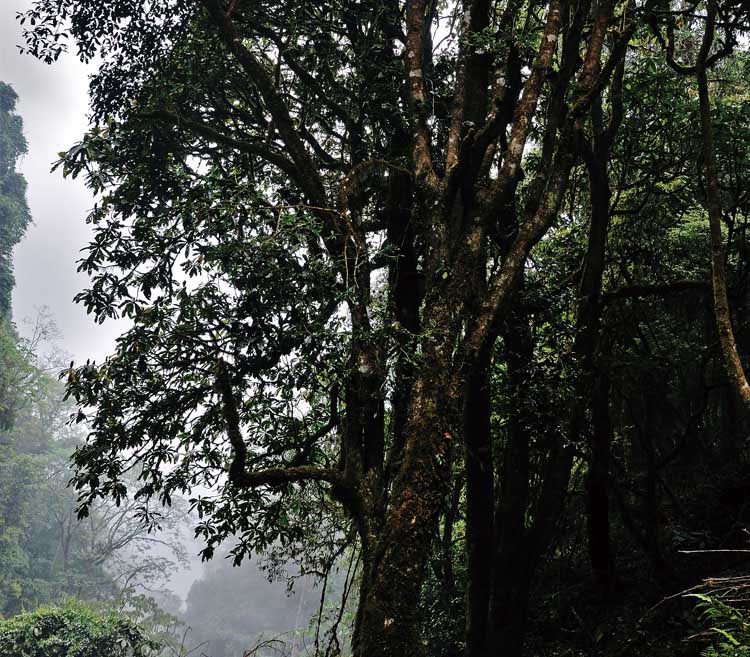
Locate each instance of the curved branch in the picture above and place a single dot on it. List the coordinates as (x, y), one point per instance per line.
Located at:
(206, 131)
(238, 473)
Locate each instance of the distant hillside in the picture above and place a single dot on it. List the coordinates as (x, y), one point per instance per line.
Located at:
(14, 211)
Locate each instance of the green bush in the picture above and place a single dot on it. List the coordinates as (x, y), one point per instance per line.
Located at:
(72, 630)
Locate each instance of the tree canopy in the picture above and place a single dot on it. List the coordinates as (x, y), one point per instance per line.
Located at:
(14, 218)
(406, 275)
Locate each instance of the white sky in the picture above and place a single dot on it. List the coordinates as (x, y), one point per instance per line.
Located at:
(53, 104)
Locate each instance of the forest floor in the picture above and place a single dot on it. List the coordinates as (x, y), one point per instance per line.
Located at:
(648, 613)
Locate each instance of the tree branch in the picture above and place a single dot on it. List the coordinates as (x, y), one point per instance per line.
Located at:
(312, 183)
(238, 474)
(206, 131)
(471, 77)
(414, 60)
(527, 106)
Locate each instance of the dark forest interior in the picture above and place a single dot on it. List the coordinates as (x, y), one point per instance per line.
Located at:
(437, 314)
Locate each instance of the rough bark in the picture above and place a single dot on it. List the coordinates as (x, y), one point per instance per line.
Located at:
(389, 624)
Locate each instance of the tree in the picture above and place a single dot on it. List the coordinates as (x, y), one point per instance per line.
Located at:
(730, 23)
(47, 553)
(319, 219)
(14, 213)
(14, 218)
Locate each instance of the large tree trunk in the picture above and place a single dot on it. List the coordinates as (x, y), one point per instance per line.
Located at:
(388, 619)
(512, 565)
(479, 509)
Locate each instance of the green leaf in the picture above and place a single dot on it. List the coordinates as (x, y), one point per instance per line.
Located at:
(726, 635)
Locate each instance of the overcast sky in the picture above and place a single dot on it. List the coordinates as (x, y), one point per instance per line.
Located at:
(53, 104)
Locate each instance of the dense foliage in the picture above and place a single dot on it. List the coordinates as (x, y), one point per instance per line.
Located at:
(46, 554)
(14, 218)
(72, 631)
(14, 213)
(457, 291)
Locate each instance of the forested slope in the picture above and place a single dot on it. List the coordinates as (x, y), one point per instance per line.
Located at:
(451, 296)
(46, 554)
(14, 217)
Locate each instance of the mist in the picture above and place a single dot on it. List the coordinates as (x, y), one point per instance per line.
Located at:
(113, 559)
